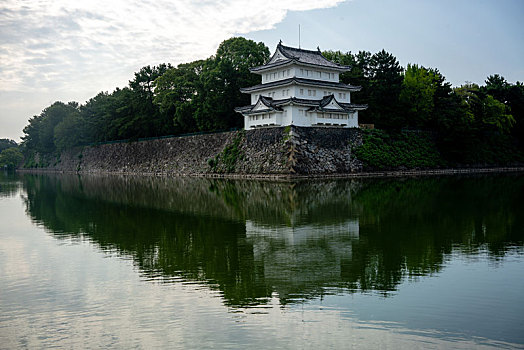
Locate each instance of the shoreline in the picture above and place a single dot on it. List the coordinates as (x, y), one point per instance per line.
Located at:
(355, 175)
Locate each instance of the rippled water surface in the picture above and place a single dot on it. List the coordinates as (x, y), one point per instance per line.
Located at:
(142, 262)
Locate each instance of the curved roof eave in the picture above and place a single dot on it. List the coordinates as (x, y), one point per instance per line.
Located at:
(279, 64)
(300, 81)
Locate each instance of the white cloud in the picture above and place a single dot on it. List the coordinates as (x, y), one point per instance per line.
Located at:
(86, 45)
(70, 50)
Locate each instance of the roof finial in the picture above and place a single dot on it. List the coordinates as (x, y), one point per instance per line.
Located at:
(318, 48)
(280, 42)
(299, 36)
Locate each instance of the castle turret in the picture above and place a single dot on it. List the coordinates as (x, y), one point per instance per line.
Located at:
(302, 88)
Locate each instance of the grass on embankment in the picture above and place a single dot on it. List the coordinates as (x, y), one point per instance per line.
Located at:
(383, 150)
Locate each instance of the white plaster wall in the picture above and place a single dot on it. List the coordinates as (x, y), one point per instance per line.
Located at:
(287, 115)
(316, 74)
(276, 74)
(264, 120)
(291, 115)
(300, 118)
(353, 120)
(295, 91)
(281, 73)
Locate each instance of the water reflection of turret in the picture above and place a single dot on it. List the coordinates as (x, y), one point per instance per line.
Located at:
(299, 261)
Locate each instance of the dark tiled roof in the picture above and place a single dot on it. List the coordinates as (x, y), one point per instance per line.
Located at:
(295, 80)
(358, 107)
(313, 104)
(307, 57)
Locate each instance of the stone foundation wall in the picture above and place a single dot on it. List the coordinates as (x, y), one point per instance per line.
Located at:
(272, 151)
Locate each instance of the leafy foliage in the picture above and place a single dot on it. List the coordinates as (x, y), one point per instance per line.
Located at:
(381, 150)
(10, 158)
(226, 161)
(7, 143)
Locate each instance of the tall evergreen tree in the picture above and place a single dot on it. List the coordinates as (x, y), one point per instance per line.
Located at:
(385, 86)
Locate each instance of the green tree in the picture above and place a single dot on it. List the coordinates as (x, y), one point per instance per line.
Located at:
(39, 134)
(512, 96)
(488, 113)
(218, 91)
(498, 87)
(515, 98)
(496, 115)
(418, 95)
(96, 116)
(175, 91)
(70, 132)
(145, 117)
(385, 86)
(10, 158)
(7, 143)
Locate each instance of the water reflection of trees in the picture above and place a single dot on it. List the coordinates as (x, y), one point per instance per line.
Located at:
(8, 184)
(298, 239)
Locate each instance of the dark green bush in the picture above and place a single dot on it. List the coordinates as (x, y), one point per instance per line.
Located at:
(381, 150)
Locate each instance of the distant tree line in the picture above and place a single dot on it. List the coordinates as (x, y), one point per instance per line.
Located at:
(201, 96)
(10, 155)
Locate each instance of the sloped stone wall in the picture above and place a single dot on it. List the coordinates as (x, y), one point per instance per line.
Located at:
(272, 151)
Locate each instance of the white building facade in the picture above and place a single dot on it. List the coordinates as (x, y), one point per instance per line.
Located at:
(301, 88)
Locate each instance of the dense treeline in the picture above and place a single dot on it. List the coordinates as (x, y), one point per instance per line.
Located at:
(467, 121)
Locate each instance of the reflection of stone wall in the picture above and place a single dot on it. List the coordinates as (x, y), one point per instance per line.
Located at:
(275, 151)
(263, 202)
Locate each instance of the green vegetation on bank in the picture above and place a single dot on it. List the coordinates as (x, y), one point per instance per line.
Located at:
(226, 161)
(381, 150)
(469, 125)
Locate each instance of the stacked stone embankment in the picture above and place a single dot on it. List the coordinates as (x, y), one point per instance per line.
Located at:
(261, 152)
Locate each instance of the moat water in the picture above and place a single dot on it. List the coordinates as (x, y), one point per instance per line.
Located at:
(191, 263)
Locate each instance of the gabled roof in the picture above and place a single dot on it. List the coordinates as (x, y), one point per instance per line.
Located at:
(301, 81)
(329, 103)
(286, 55)
(326, 104)
(263, 105)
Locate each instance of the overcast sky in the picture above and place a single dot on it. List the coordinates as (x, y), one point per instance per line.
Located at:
(71, 50)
